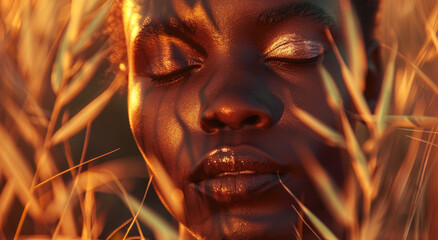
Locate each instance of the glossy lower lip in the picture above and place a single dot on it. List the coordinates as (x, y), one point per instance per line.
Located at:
(236, 173)
(239, 187)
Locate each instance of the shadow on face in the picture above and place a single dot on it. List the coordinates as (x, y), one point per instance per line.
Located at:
(212, 89)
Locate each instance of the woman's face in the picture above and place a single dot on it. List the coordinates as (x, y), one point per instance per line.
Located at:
(212, 88)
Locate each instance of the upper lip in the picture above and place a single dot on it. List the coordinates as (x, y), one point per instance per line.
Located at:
(242, 159)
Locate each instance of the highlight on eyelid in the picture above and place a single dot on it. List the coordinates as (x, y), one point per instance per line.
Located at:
(293, 47)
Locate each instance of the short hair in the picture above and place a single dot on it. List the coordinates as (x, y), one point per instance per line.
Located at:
(366, 11)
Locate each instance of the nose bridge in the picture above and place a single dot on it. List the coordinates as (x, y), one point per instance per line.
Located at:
(239, 97)
(236, 71)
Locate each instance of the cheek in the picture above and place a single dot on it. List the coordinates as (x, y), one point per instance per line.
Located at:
(162, 121)
(304, 90)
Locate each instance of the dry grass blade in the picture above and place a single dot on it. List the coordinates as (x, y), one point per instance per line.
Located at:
(141, 205)
(6, 198)
(351, 202)
(319, 225)
(325, 185)
(358, 158)
(14, 166)
(91, 28)
(302, 220)
(126, 196)
(77, 13)
(420, 185)
(67, 146)
(431, 143)
(429, 82)
(153, 220)
(319, 127)
(57, 78)
(118, 228)
(27, 52)
(405, 170)
(418, 130)
(87, 114)
(355, 45)
(297, 234)
(82, 78)
(39, 118)
(172, 195)
(74, 41)
(64, 214)
(430, 31)
(406, 121)
(24, 126)
(383, 104)
(89, 211)
(334, 98)
(412, 121)
(73, 168)
(351, 84)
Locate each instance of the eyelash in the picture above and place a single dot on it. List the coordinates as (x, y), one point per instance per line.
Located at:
(177, 75)
(293, 63)
(304, 61)
(174, 76)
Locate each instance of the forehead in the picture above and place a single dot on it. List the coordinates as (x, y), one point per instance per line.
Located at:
(218, 15)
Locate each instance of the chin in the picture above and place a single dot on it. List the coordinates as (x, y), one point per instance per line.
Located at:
(246, 226)
(266, 216)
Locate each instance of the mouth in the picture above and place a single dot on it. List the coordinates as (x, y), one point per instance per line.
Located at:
(236, 173)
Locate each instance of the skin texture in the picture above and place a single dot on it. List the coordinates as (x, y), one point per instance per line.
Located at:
(233, 81)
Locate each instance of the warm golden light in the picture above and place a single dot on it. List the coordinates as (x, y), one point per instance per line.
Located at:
(61, 177)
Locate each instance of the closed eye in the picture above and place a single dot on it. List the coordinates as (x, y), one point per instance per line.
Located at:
(291, 63)
(174, 76)
(297, 61)
(291, 53)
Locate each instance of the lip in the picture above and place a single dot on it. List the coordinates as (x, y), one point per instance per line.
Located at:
(236, 173)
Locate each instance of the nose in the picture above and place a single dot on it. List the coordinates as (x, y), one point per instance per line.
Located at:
(241, 109)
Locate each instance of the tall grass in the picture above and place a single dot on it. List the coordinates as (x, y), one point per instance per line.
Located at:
(49, 53)
(393, 159)
(52, 50)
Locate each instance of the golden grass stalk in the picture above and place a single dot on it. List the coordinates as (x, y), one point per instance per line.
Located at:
(87, 114)
(355, 45)
(351, 83)
(330, 135)
(371, 161)
(383, 106)
(153, 220)
(43, 37)
(329, 191)
(75, 167)
(319, 225)
(429, 82)
(334, 98)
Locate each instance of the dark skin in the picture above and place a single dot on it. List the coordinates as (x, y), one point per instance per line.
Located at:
(218, 80)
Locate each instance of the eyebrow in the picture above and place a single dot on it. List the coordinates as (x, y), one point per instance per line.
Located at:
(296, 10)
(171, 27)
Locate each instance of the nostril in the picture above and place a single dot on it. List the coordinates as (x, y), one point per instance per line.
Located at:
(252, 120)
(212, 124)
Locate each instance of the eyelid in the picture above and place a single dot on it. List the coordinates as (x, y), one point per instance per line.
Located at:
(175, 72)
(291, 47)
(172, 66)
